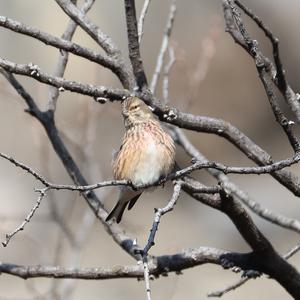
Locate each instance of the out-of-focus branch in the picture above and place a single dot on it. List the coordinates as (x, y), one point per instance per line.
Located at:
(134, 46)
(164, 46)
(142, 19)
(166, 75)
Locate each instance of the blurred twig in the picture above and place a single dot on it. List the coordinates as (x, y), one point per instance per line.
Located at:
(142, 19)
(164, 46)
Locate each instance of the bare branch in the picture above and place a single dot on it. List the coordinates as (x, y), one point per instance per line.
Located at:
(9, 236)
(265, 213)
(188, 258)
(198, 165)
(142, 19)
(229, 288)
(263, 65)
(164, 46)
(35, 72)
(134, 46)
(64, 56)
(239, 283)
(166, 75)
(74, 172)
(60, 43)
(92, 29)
(158, 214)
(171, 115)
(279, 79)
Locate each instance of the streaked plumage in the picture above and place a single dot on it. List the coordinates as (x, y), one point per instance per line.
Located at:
(146, 154)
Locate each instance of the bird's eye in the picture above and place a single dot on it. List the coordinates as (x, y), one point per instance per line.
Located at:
(134, 107)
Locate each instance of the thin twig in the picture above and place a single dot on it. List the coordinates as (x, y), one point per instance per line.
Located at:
(263, 212)
(158, 214)
(164, 46)
(242, 281)
(237, 29)
(279, 77)
(166, 75)
(142, 19)
(147, 277)
(9, 236)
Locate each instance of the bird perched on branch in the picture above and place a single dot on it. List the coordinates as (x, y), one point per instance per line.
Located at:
(146, 155)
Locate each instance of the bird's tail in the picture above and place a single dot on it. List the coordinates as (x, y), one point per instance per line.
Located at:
(117, 211)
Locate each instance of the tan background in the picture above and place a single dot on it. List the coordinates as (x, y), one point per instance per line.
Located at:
(230, 90)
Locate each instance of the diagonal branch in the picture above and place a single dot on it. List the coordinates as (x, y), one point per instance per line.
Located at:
(279, 79)
(64, 56)
(60, 43)
(264, 67)
(8, 237)
(123, 240)
(35, 72)
(89, 27)
(170, 115)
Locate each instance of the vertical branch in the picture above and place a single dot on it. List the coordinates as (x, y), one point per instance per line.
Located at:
(164, 46)
(134, 46)
(142, 19)
(167, 70)
(150, 243)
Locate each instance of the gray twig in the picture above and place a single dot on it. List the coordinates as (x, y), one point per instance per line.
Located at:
(9, 236)
(242, 281)
(142, 19)
(164, 46)
(166, 75)
(158, 214)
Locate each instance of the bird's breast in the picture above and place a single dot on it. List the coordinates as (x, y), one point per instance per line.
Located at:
(145, 157)
(149, 163)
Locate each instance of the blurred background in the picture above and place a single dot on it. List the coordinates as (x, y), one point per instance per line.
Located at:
(212, 76)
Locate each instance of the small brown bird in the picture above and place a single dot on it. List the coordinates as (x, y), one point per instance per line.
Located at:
(146, 155)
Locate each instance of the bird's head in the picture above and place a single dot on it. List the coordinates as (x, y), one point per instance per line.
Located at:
(135, 111)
